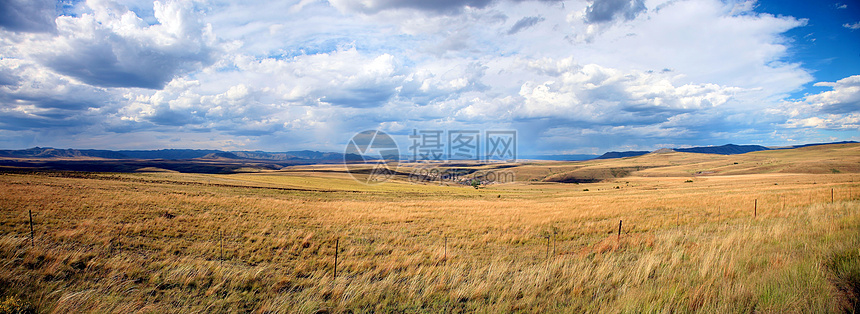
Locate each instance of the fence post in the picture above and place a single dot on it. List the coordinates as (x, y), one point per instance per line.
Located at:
(547, 247)
(831, 195)
(32, 234)
(221, 240)
(755, 208)
(619, 229)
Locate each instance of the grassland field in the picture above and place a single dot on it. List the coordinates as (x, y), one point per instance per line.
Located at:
(770, 231)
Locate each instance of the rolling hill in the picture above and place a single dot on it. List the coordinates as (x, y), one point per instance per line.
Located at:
(818, 159)
(728, 149)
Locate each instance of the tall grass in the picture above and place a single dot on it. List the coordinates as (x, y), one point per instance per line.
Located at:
(109, 245)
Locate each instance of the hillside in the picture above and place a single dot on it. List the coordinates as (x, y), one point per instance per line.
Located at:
(820, 159)
(611, 155)
(728, 149)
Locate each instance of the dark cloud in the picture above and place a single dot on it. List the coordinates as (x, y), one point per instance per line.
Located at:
(119, 62)
(7, 78)
(524, 23)
(30, 85)
(366, 97)
(166, 116)
(601, 11)
(171, 118)
(254, 131)
(120, 50)
(845, 107)
(49, 120)
(53, 112)
(32, 16)
(58, 103)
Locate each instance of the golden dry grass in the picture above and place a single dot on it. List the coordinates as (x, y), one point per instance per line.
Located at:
(151, 242)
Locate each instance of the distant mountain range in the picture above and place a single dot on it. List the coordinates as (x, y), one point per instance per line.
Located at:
(728, 149)
(307, 156)
(632, 153)
(176, 154)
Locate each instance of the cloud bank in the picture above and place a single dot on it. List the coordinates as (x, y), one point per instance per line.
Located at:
(572, 77)
(27, 15)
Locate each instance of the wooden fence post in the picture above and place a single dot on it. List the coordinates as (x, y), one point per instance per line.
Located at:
(547, 247)
(755, 208)
(221, 240)
(619, 229)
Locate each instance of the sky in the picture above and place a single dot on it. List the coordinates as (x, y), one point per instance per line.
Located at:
(570, 77)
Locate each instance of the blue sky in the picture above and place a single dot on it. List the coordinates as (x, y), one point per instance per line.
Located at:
(571, 77)
(828, 45)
